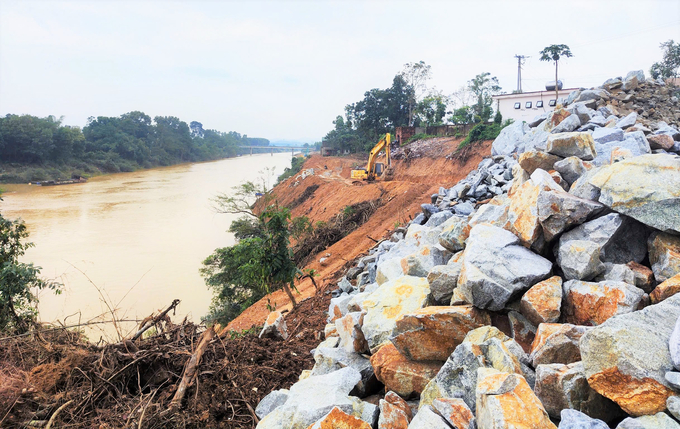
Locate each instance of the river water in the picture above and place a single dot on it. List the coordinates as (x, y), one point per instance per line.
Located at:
(135, 240)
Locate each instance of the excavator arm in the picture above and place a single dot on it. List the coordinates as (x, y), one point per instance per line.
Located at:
(370, 173)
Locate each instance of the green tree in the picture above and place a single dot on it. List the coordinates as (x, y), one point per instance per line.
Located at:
(242, 274)
(483, 87)
(415, 75)
(18, 279)
(432, 109)
(668, 67)
(555, 53)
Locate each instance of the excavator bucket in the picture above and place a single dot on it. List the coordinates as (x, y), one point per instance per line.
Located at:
(388, 174)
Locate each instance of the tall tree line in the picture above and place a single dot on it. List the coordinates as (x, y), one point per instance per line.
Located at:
(121, 143)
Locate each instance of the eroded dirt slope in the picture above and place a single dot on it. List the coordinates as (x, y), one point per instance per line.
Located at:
(414, 181)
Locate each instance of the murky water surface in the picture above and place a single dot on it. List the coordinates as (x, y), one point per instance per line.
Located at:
(137, 237)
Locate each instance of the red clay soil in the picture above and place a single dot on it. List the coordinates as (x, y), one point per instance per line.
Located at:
(414, 181)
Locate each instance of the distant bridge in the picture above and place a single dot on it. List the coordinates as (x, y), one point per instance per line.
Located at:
(279, 148)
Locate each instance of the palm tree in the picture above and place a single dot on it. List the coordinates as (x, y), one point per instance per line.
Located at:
(554, 53)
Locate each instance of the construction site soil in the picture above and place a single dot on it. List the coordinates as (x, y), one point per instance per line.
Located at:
(187, 376)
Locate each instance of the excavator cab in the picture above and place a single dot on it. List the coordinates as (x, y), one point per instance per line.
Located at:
(375, 169)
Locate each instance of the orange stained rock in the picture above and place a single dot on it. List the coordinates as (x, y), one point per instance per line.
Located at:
(636, 397)
(543, 301)
(458, 412)
(594, 306)
(507, 398)
(432, 333)
(272, 317)
(544, 331)
(392, 311)
(404, 290)
(666, 289)
(523, 214)
(395, 413)
(558, 116)
(337, 419)
(400, 374)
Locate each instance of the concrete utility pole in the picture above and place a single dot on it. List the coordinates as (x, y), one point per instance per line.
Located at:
(520, 62)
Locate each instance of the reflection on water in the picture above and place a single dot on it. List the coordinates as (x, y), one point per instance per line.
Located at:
(139, 237)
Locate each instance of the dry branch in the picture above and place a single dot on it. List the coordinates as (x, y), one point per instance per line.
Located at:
(191, 367)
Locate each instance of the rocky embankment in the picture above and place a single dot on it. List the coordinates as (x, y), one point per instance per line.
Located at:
(539, 292)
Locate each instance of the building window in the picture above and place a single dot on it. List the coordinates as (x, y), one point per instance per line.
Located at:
(528, 105)
(518, 105)
(552, 103)
(539, 104)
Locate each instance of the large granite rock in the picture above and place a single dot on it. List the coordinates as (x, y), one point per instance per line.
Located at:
(510, 139)
(588, 303)
(349, 330)
(338, 419)
(456, 412)
(657, 421)
(559, 211)
(625, 358)
(572, 419)
(620, 238)
(646, 188)
(432, 333)
(666, 289)
(542, 303)
(496, 268)
(533, 159)
(387, 304)
(395, 413)
(428, 418)
(270, 402)
(506, 401)
(312, 398)
(330, 359)
(580, 145)
(557, 343)
(401, 375)
(454, 233)
(570, 168)
(443, 280)
(664, 255)
(561, 387)
(579, 259)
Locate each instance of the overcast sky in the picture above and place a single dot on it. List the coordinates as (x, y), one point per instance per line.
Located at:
(286, 69)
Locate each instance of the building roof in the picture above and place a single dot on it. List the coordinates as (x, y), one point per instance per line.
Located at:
(521, 94)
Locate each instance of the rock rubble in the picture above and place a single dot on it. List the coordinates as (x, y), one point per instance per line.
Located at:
(540, 291)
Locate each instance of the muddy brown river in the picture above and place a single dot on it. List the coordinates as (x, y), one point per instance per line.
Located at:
(135, 240)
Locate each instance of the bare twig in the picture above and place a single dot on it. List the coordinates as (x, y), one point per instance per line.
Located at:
(252, 412)
(191, 367)
(156, 319)
(56, 413)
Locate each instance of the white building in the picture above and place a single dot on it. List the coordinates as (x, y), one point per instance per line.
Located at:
(525, 106)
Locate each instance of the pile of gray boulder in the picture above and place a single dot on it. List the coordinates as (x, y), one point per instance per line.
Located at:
(547, 299)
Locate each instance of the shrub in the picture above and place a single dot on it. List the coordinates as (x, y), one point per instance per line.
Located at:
(485, 131)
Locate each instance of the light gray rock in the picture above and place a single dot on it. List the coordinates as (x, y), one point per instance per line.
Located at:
(464, 209)
(569, 144)
(630, 83)
(496, 268)
(538, 119)
(620, 238)
(338, 307)
(428, 418)
(329, 360)
(559, 211)
(312, 398)
(583, 112)
(639, 74)
(570, 168)
(583, 189)
(630, 353)
(345, 285)
(438, 218)
(673, 405)
(443, 280)
(572, 419)
(646, 188)
(579, 259)
(508, 141)
(592, 94)
(570, 123)
(674, 345)
(657, 421)
(269, 403)
(420, 263)
(274, 327)
(607, 135)
(627, 121)
(673, 378)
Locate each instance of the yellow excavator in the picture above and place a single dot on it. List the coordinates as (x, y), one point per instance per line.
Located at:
(374, 169)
